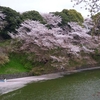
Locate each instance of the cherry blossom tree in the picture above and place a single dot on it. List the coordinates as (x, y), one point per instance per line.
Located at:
(33, 32)
(51, 19)
(93, 6)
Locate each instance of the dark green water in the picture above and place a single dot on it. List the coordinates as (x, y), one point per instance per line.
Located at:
(78, 86)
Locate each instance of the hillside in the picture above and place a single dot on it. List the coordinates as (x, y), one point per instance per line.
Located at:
(45, 43)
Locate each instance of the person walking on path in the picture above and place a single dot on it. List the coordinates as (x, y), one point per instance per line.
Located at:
(5, 80)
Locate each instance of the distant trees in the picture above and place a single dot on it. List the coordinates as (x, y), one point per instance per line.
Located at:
(70, 16)
(13, 19)
(51, 20)
(73, 15)
(33, 15)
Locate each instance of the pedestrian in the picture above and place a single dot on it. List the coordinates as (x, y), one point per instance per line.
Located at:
(5, 80)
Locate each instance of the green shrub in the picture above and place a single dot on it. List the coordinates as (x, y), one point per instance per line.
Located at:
(3, 59)
(96, 56)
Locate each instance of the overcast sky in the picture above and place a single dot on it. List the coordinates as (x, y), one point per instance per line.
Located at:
(42, 6)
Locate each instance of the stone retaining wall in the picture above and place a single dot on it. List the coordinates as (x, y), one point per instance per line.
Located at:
(11, 76)
(25, 74)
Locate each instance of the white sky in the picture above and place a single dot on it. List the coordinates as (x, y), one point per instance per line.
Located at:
(42, 6)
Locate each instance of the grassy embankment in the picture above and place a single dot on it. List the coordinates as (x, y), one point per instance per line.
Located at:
(20, 62)
(14, 65)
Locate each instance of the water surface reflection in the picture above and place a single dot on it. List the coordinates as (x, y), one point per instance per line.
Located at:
(78, 86)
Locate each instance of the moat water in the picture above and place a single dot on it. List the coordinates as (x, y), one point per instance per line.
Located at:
(78, 86)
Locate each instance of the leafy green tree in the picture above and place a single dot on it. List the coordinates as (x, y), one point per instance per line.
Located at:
(70, 16)
(33, 15)
(13, 19)
(73, 15)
